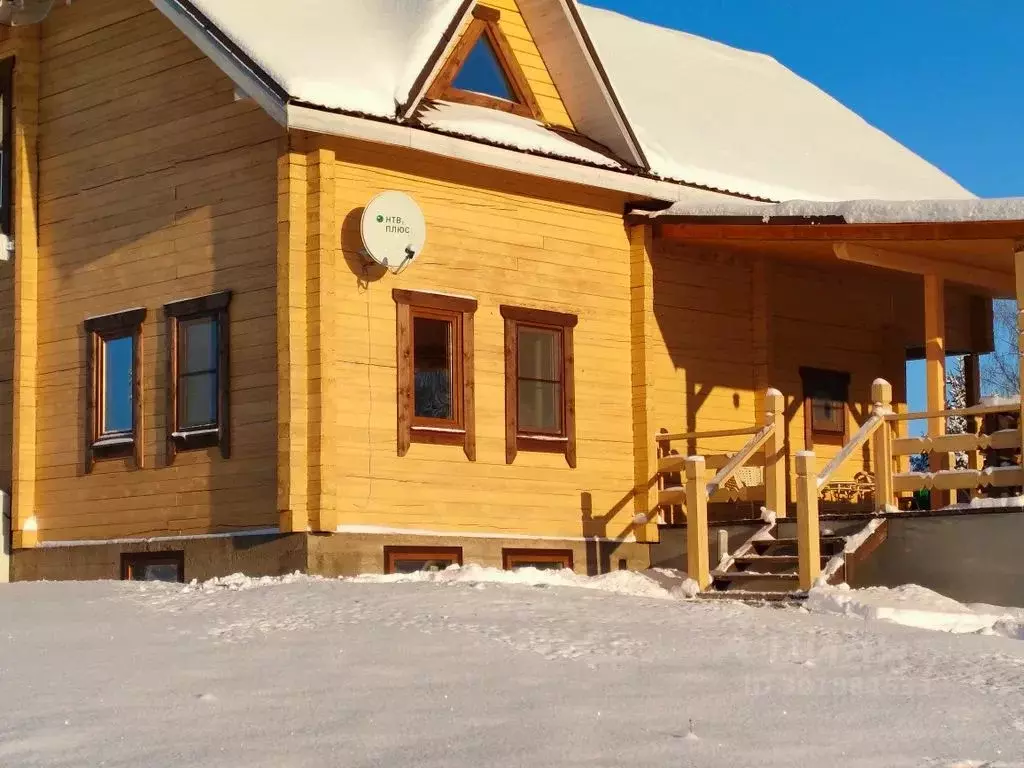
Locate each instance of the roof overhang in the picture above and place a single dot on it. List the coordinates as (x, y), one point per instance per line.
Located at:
(248, 76)
(944, 239)
(302, 117)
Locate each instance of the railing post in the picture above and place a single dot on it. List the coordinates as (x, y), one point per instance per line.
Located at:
(775, 454)
(881, 395)
(808, 530)
(697, 565)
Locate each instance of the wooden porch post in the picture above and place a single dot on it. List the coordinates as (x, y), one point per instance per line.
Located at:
(1018, 266)
(808, 530)
(935, 372)
(698, 566)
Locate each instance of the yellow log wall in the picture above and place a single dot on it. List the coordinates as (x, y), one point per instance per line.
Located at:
(703, 354)
(155, 185)
(503, 239)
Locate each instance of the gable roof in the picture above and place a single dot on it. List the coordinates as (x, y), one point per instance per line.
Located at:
(728, 119)
(674, 105)
(359, 56)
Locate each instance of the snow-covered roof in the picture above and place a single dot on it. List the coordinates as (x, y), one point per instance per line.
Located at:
(508, 130)
(359, 56)
(709, 114)
(861, 211)
(703, 113)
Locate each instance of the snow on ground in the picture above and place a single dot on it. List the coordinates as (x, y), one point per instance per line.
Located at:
(915, 606)
(458, 669)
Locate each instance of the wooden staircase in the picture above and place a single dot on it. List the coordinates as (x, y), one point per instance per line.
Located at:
(768, 564)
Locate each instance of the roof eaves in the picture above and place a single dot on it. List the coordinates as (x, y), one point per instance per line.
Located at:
(249, 76)
(576, 19)
(419, 89)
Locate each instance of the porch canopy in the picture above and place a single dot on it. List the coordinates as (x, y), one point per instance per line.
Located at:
(975, 243)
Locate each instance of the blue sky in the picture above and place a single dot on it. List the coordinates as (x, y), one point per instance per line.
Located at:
(943, 76)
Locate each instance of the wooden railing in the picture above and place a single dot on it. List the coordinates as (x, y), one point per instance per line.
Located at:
(975, 477)
(809, 482)
(887, 449)
(697, 490)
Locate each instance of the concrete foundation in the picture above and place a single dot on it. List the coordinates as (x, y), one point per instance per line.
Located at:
(341, 554)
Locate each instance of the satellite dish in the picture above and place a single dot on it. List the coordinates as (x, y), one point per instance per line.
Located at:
(17, 13)
(394, 230)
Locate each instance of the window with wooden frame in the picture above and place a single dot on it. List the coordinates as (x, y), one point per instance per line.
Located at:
(413, 559)
(198, 376)
(541, 559)
(483, 70)
(826, 395)
(153, 566)
(436, 386)
(6, 154)
(114, 387)
(540, 402)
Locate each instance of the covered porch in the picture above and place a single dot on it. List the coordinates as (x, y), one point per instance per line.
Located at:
(939, 266)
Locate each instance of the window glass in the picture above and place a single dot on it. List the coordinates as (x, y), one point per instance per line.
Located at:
(118, 396)
(540, 377)
(413, 565)
(197, 373)
(157, 572)
(432, 367)
(482, 73)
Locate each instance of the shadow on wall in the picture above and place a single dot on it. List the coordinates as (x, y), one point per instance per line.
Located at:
(189, 212)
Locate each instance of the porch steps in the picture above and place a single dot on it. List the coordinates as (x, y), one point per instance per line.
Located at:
(769, 565)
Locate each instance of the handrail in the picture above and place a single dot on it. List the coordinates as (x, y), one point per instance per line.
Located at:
(740, 459)
(974, 410)
(666, 438)
(859, 439)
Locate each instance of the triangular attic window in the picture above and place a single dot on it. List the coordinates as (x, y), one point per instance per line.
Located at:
(482, 70)
(483, 73)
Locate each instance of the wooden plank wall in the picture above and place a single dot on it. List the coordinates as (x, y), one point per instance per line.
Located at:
(503, 239)
(704, 367)
(156, 185)
(840, 318)
(532, 61)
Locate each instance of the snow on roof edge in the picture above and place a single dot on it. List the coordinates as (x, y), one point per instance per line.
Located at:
(860, 211)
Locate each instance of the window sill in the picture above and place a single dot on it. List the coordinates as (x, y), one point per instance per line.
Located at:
(439, 435)
(542, 443)
(113, 447)
(189, 440)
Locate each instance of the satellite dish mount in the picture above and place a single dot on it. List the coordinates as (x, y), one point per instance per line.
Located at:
(20, 13)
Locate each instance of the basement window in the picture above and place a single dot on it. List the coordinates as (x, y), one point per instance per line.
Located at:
(415, 559)
(541, 559)
(153, 566)
(435, 370)
(199, 391)
(113, 365)
(826, 395)
(540, 404)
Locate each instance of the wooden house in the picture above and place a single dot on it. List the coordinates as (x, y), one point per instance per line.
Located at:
(202, 369)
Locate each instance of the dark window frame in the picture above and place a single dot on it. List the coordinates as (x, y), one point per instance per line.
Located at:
(99, 445)
(461, 430)
(392, 554)
(837, 384)
(7, 147)
(132, 560)
(509, 557)
(486, 24)
(214, 306)
(516, 440)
